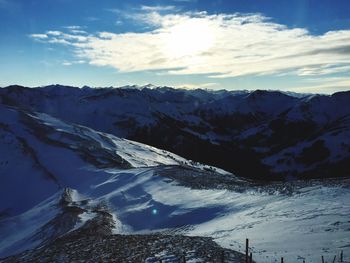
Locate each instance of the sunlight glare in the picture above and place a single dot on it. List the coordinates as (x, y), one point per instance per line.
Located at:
(189, 38)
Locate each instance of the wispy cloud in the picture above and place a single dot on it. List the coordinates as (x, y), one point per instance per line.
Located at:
(158, 8)
(197, 85)
(323, 69)
(220, 45)
(76, 29)
(73, 27)
(54, 33)
(92, 18)
(39, 36)
(325, 85)
(70, 63)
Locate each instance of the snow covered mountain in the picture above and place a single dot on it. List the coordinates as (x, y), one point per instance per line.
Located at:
(65, 185)
(43, 159)
(265, 135)
(38, 149)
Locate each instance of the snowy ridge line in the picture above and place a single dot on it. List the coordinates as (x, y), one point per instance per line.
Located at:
(135, 153)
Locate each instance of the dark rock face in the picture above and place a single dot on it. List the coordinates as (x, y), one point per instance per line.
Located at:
(261, 135)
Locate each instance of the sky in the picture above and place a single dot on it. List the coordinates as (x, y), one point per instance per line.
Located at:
(295, 45)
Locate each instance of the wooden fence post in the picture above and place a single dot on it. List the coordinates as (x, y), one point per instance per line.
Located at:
(282, 260)
(322, 259)
(341, 256)
(246, 250)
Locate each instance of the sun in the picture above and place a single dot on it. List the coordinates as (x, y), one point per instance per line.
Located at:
(189, 38)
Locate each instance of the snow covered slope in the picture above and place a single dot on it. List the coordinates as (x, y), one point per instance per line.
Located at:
(37, 149)
(310, 220)
(129, 188)
(41, 155)
(307, 220)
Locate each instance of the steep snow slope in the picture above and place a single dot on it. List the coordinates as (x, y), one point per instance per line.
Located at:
(21, 172)
(38, 149)
(38, 225)
(41, 155)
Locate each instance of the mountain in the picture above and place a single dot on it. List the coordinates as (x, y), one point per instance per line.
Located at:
(71, 192)
(43, 159)
(38, 149)
(265, 135)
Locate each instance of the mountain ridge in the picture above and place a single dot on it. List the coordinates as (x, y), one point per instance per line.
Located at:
(239, 131)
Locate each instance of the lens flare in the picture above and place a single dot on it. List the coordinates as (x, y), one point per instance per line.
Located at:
(154, 211)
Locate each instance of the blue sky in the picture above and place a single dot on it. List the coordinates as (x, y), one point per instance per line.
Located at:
(298, 45)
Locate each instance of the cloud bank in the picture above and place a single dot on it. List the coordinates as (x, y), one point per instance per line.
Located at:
(220, 45)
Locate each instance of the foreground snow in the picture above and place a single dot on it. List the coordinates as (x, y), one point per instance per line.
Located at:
(310, 222)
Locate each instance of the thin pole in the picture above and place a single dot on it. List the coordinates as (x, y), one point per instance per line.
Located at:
(246, 250)
(282, 260)
(251, 257)
(322, 259)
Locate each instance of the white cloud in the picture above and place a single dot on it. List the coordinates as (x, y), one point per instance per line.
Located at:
(70, 63)
(66, 63)
(75, 37)
(221, 45)
(39, 36)
(54, 33)
(324, 69)
(58, 41)
(158, 8)
(76, 29)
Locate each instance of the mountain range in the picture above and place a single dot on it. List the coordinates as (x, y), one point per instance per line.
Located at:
(264, 135)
